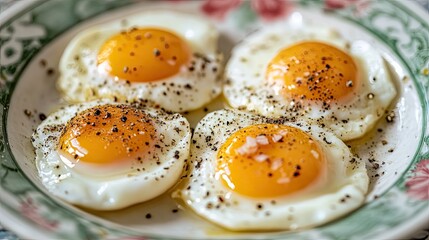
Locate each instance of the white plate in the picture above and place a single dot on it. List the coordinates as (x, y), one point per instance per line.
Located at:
(398, 202)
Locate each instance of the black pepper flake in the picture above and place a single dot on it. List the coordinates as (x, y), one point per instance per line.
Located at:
(97, 112)
(27, 113)
(259, 206)
(157, 146)
(123, 119)
(326, 140)
(296, 174)
(114, 129)
(188, 86)
(376, 166)
(349, 83)
(50, 71)
(174, 210)
(390, 117)
(42, 117)
(148, 216)
(98, 133)
(43, 62)
(176, 155)
(156, 52)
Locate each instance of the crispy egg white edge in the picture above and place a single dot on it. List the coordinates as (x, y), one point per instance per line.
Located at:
(287, 213)
(77, 82)
(242, 92)
(114, 192)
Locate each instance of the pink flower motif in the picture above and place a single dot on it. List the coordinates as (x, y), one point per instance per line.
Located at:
(271, 9)
(418, 186)
(29, 210)
(337, 4)
(358, 5)
(267, 9)
(219, 8)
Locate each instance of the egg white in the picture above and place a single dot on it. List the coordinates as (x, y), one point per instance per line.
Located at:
(341, 191)
(115, 188)
(81, 81)
(246, 88)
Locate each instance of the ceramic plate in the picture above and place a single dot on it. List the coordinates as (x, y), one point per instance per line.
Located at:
(34, 34)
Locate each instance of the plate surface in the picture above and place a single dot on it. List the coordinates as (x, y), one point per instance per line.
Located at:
(34, 34)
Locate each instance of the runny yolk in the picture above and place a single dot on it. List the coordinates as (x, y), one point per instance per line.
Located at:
(314, 71)
(143, 55)
(284, 160)
(107, 135)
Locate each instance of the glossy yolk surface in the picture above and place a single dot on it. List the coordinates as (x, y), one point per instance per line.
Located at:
(280, 167)
(143, 55)
(107, 134)
(314, 71)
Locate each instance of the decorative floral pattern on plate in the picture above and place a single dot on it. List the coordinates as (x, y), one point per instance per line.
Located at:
(418, 185)
(267, 9)
(30, 30)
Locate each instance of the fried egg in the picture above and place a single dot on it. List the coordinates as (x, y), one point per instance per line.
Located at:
(311, 74)
(167, 58)
(107, 156)
(248, 172)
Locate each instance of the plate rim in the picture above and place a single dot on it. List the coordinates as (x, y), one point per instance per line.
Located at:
(402, 231)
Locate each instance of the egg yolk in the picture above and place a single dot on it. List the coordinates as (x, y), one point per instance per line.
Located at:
(143, 55)
(269, 160)
(314, 71)
(107, 134)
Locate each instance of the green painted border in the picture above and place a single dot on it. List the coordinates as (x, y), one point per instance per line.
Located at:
(8, 91)
(419, 89)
